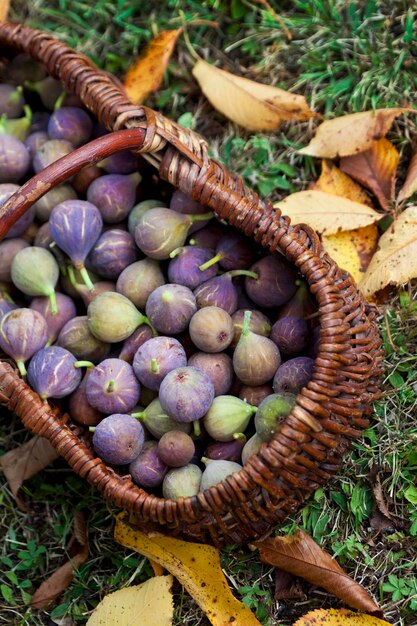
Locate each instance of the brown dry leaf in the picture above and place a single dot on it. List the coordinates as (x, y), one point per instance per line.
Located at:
(26, 461)
(333, 180)
(338, 617)
(4, 9)
(395, 261)
(410, 184)
(350, 134)
(300, 555)
(196, 566)
(326, 212)
(375, 169)
(146, 73)
(60, 580)
(253, 105)
(148, 604)
(353, 249)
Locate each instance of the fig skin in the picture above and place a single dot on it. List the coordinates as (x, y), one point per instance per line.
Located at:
(226, 450)
(290, 334)
(79, 408)
(181, 203)
(293, 375)
(70, 124)
(216, 472)
(209, 236)
(6, 306)
(118, 439)
(176, 448)
(83, 179)
(256, 358)
(170, 308)
(8, 249)
(219, 291)
(300, 305)
(156, 358)
(76, 337)
(35, 272)
(252, 446)
(276, 282)
(233, 252)
(211, 329)
(45, 205)
(113, 252)
(148, 470)
(66, 311)
(53, 372)
(113, 318)
(255, 395)
(218, 367)
(113, 387)
(14, 159)
(227, 416)
(11, 101)
(20, 227)
(271, 413)
(35, 141)
(124, 162)
(139, 209)
(132, 344)
(182, 482)
(50, 152)
(157, 422)
(138, 280)
(259, 324)
(101, 286)
(186, 394)
(114, 195)
(22, 333)
(184, 268)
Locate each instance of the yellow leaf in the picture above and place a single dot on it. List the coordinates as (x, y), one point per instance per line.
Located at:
(148, 604)
(4, 9)
(353, 249)
(333, 180)
(410, 184)
(197, 567)
(326, 212)
(350, 134)
(145, 75)
(253, 105)
(339, 617)
(395, 261)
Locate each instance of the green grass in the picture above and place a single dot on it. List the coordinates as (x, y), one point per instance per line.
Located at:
(344, 57)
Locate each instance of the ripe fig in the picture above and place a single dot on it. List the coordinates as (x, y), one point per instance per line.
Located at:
(55, 321)
(35, 272)
(54, 372)
(113, 318)
(184, 268)
(209, 236)
(124, 162)
(44, 206)
(158, 422)
(80, 409)
(35, 141)
(216, 471)
(76, 337)
(114, 195)
(259, 324)
(14, 159)
(139, 209)
(118, 439)
(170, 307)
(256, 358)
(22, 333)
(176, 448)
(132, 344)
(182, 482)
(112, 386)
(252, 446)
(101, 286)
(23, 223)
(148, 470)
(70, 124)
(290, 334)
(219, 291)
(113, 251)
(292, 375)
(226, 450)
(50, 152)
(271, 413)
(211, 329)
(275, 283)
(138, 280)
(155, 358)
(233, 252)
(301, 304)
(6, 306)
(83, 179)
(11, 101)
(218, 367)
(227, 418)
(186, 394)
(8, 250)
(255, 395)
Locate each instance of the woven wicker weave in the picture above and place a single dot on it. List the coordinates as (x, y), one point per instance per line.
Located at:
(330, 412)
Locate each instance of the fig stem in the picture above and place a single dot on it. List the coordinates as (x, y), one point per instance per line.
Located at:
(110, 386)
(15, 95)
(60, 100)
(91, 429)
(246, 323)
(83, 364)
(175, 252)
(192, 242)
(234, 273)
(201, 218)
(22, 368)
(210, 262)
(52, 298)
(139, 416)
(86, 278)
(205, 460)
(196, 428)
(147, 322)
(154, 366)
(71, 276)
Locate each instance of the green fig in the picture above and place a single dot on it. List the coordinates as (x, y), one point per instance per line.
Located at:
(154, 418)
(216, 471)
(112, 317)
(182, 482)
(227, 418)
(252, 446)
(271, 413)
(35, 271)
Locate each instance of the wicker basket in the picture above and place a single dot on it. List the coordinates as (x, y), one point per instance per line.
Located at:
(330, 412)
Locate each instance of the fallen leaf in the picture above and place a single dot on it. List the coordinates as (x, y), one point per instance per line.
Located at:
(395, 261)
(198, 569)
(4, 9)
(25, 461)
(60, 580)
(333, 180)
(287, 586)
(381, 518)
(145, 75)
(326, 212)
(375, 169)
(148, 604)
(300, 555)
(410, 184)
(350, 134)
(253, 105)
(353, 249)
(338, 617)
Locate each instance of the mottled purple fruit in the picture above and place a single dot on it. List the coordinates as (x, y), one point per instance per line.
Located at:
(157, 422)
(182, 203)
(124, 162)
(35, 141)
(219, 291)
(80, 409)
(211, 329)
(148, 470)
(112, 386)
(14, 159)
(71, 124)
(113, 318)
(23, 223)
(186, 394)
(271, 414)
(53, 372)
(255, 395)
(50, 152)
(43, 239)
(216, 471)
(101, 286)
(182, 482)
(176, 448)
(6, 306)
(155, 358)
(184, 268)
(226, 450)
(118, 439)
(40, 121)
(276, 282)
(170, 308)
(160, 231)
(259, 324)
(83, 179)
(8, 250)
(209, 236)
(36, 272)
(234, 251)
(55, 321)
(256, 358)
(132, 344)
(138, 280)
(43, 207)
(114, 195)
(11, 101)
(218, 367)
(139, 209)
(290, 334)
(294, 374)
(22, 333)
(113, 252)
(76, 337)
(251, 447)
(227, 418)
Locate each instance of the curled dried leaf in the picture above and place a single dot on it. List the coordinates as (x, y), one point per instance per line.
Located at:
(353, 249)
(410, 184)
(338, 617)
(333, 180)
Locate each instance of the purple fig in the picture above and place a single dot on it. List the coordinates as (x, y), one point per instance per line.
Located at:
(35, 141)
(220, 291)
(14, 159)
(234, 251)
(138, 280)
(114, 195)
(271, 413)
(256, 358)
(8, 250)
(209, 236)
(259, 324)
(170, 307)
(101, 286)
(70, 124)
(255, 395)
(55, 321)
(35, 272)
(227, 418)
(22, 333)
(139, 209)
(113, 318)
(184, 269)
(157, 422)
(148, 470)
(181, 203)
(40, 121)
(182, 482)
(290, 334)
(155, 358)
(211, 329)
(132, 344)
(252, 446)
(176, 448)
(216, 471)
(76, 337)
(50, 152)
(83, 179)
(43, 207)
(43, 239)
(226, 450)
(292, 375)
(79, 408)
(124, 162)
(186, 394)
(113, 251)
(112, 386)
(118, 439)
(11, 101)
(275, 284)
(218, 367)
(301, 304)
(6, 306)
(54, 372)
(23, 223)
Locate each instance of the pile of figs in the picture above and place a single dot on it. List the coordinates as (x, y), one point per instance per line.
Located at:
(176, 341)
